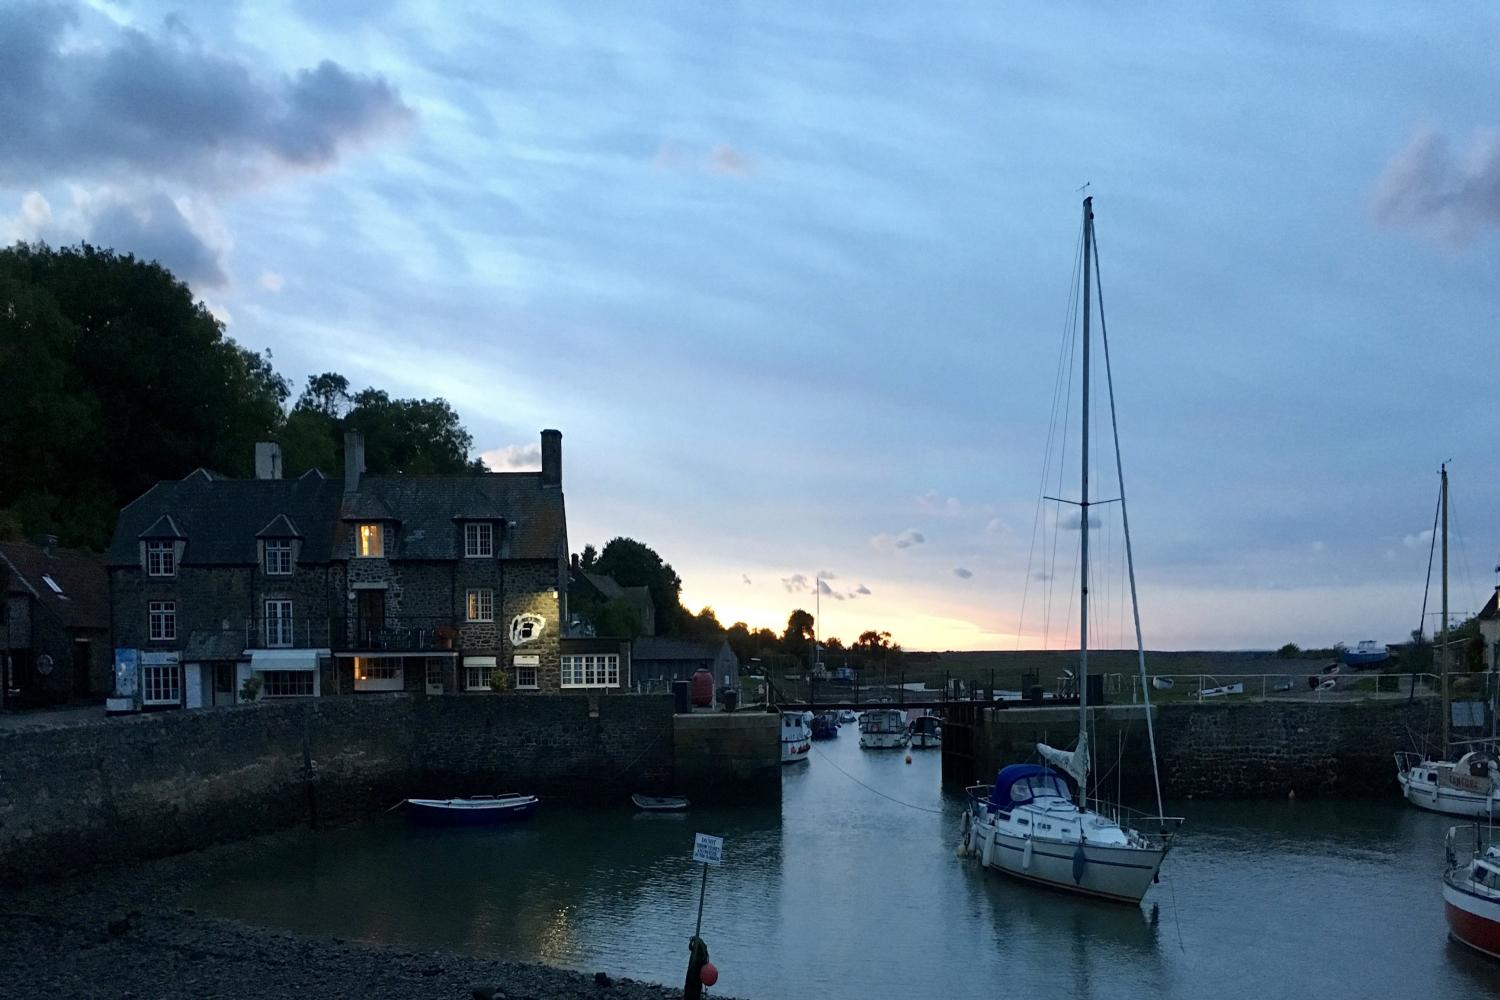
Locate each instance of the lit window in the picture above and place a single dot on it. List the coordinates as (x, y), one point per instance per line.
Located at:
(481, 605)
(279, 558)
(479, 540)
(526, 677)
(288, 683)
(378, 673)
(161, 684)
(161, 620)
(477, 670)
(371, 544)
(278, 623)
(591, 670)
(161, 559)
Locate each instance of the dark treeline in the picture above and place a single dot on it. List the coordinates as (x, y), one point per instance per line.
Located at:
(112, 378)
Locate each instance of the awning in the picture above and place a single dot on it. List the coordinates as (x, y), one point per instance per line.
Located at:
(285, 659)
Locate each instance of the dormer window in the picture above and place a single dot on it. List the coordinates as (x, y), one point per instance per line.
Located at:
(371, 541)
(479, 540)
(161, 559)
(278, 557)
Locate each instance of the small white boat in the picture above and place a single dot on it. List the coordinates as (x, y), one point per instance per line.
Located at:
(475, 809)
(926, 732)
(1163, 683)
(847, 715)
(1223, 689)
(796, 737)
(1471, 892)
(659, 803)
(1470, 787)
(883, 729)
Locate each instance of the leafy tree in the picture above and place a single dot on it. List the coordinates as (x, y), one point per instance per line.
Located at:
(703, 625)
(797, 640)
(1289, 651)
(589, 558)
(634, 564)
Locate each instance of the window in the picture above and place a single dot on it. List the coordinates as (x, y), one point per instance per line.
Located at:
(287, 683)
(479, 540)
(591, 670)
(161, 684)
(279, 558)
(161, 559)
(526, 677)
(477, 672)
(481, 605)
(371, 541)
(161, 619)
(52, 585)
(279, 624)
(378, 673)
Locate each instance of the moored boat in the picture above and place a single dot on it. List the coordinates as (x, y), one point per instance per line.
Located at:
(1469, 787)
(926, 732)
(882, 729)
(475, 809)
(1471, 890)
(796, 737)
(659, 803)
(847, 715)
(1367, 654)
(825, 726)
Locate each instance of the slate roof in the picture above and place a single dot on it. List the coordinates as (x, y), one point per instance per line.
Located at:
(214, 644)
(84, 601)
(666, 648)
(280, 527)
(426, 507)
(1490, 609)
(220, 518)
(606, 585)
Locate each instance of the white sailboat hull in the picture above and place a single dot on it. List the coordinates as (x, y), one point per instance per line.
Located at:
(1433, 797)
(882, 741)
(1118, 873)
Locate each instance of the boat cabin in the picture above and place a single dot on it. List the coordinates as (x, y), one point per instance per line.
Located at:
(1023, 784)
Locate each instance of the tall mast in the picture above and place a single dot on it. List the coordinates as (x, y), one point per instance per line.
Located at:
(1443, 640)
(1083, 503)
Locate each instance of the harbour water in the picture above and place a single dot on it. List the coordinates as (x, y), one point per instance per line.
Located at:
(852, 889)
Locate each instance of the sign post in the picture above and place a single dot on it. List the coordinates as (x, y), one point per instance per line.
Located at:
(710, 851)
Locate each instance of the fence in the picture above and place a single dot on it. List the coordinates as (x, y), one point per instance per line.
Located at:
(1317, 686)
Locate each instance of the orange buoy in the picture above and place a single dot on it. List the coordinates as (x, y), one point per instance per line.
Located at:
(709, 974)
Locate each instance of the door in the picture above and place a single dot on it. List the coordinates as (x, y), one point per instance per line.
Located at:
(371, 615)
(435, 668)
(83, 657)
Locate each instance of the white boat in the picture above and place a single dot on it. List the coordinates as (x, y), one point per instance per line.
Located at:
(474, 809)
(1471, 891)
(926, 732)
(882, 729)
(1222, 689)
(847, 715)
(659, 803)
(796, 737)
(1028, 824)
(1163, 683)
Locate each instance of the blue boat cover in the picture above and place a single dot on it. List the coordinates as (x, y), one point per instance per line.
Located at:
(1011, 774)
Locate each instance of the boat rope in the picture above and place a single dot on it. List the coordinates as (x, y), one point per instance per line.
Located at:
(868, 788)
(1176, 917)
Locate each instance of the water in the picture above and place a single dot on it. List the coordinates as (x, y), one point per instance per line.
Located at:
(843, 893)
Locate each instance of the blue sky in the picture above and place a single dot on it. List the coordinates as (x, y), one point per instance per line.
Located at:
(791, 279)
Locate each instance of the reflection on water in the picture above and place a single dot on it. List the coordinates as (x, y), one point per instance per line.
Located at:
(843, 893)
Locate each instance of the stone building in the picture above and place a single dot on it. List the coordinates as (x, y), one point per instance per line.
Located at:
(226, 589)
(54, 625)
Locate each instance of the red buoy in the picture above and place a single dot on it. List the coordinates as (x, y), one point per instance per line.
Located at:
(709, 974)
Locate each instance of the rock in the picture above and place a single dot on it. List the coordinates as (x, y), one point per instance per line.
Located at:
(433, 970)
(602, 980)
(488, 993)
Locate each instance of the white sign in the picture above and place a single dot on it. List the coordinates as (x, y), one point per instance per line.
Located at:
(707, 849)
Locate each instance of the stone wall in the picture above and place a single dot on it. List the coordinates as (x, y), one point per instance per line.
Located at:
(728, 757)
(121, 789)
(1259, 749)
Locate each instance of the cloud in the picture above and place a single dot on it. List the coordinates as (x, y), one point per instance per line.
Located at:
(1447, 197)
(962, 573)
(828, 591)
(862, 590)
(1421, 540)
(904, 540)
(1317, 547)
(996, 527)
(826, 575)
(725, 159)
(934, 502)
(166, 106)
(1074, 522)
(513, 458)
(795, 584)
(271, 281)
(746, 578)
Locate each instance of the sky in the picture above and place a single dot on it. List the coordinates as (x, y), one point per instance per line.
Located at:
(793, 279)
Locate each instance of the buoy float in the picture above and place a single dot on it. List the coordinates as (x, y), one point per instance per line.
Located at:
(709, 974)
(908, 758)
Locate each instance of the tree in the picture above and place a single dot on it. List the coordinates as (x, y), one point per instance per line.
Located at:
(588, 559)
(703, 625)
(634, 564)
(797, 640)
(1290, 651)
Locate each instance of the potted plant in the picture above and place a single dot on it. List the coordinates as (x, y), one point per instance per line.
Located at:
(250, 691)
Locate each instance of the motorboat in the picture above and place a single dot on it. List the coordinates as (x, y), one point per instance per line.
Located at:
(825, 726)
(848, 715)
(883, 729)
(1368, 653)
(476, 809)
(1471, 890)
(659, 803)
(1468, 787)
(1163, 683)
(796, 737)
(1218, 691)
(926, 732)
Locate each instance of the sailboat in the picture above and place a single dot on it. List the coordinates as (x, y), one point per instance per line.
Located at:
(1469, 786)
(1029, 824)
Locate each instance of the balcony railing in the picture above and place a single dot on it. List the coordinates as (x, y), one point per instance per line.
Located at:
(287, 633)
(396, 633)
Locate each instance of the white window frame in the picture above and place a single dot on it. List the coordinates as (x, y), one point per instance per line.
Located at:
(161, 684)
(526, 678)
(477, 672)
(161, 621)
(278, 632)
(273, 679)
(591, 670)
(479, 605)
(364, 535)
(161, 559)
(278, 557)
(379, 673)
(479, 540)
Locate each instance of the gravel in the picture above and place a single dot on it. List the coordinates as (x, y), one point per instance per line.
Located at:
(123, 933)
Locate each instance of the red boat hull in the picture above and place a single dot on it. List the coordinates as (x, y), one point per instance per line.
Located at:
(1473, 920)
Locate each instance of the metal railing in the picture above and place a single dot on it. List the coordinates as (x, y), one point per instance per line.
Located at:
(396, 633)
(1342, 686)
(287, 633)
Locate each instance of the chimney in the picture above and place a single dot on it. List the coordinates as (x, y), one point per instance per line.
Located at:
(47, 543)
(267, 460)
(354, 460)
(551, 459)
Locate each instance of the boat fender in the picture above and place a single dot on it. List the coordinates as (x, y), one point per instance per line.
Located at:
(1080, 862)
(1026, 854)
(963, 838)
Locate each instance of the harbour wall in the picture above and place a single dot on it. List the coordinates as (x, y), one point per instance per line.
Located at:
(117, 790)
(1219, 750)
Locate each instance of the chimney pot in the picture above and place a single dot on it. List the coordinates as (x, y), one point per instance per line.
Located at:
(551, 458)
(267, 460)
(354, 460)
